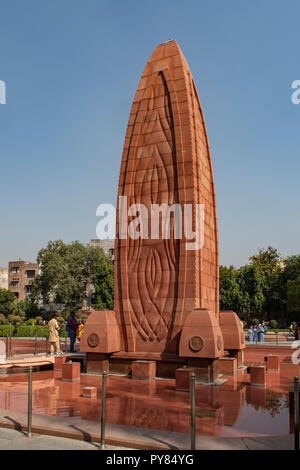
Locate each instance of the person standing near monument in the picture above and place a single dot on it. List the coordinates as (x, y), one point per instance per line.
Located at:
(250, 334)
(72, 325)
(261, 333)
(54, 335)
(79, 330)
(255, 333)
(264, 327)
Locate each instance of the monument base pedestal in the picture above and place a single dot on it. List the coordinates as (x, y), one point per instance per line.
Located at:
(121, 363)
(206, 370)
(97, 363)
(238, 354)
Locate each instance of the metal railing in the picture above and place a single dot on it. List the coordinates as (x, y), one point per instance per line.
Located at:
(193, 412)
(103, 412)
(7, 348)
(16, 346)
(296, 412)
(29, 411)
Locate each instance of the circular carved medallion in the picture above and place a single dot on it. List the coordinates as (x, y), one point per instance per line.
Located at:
(219, 343)
(196, 343)
(93, 340)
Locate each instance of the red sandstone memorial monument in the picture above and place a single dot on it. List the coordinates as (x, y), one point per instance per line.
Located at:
(166, 309)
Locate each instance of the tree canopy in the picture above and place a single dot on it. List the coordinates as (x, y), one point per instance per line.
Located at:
(67, 271)
(268, 287)
(6, 300)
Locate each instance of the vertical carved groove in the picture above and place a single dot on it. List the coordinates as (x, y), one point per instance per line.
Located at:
(152, 263)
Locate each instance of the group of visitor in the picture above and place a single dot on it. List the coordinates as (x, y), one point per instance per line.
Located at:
(72, 326)
(257, 333)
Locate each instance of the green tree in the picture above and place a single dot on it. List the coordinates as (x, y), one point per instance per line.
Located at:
(3, 319)
(251, 282)
(15, 320)
(268, 286)
(273, 324)
(282, 299)
(268, 260)
(61, 277)
(99, 271)
(241, 290)
(20, 308)
(230, 292)
(6, 300)
(293, 295)
(66, 271)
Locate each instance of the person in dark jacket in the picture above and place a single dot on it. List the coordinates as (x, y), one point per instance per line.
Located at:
(72, 325)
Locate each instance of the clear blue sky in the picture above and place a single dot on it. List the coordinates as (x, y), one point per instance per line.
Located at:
(72, 68)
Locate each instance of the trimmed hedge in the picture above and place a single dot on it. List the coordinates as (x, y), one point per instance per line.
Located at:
(26, 331)
(6, 330)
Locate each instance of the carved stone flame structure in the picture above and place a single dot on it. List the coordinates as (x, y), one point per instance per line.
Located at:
(166, 297)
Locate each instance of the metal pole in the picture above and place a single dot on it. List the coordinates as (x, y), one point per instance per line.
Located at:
(10, 353)
(103, 411)
(193, 416)
(35, 344)
(29, 415)
(66, 349)
(296, 411)
(7, 347)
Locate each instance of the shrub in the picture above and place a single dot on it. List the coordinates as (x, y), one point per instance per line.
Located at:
(273, 324)
(39, 320)
(28, 331)
(62, 331)
(42, 331)
(255, 321)
(15, 319)
(6, 330)
(25, 331)
(30, 321)
(3, 319)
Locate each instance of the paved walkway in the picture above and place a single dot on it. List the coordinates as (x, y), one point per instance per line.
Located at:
(118, 436)
(17, 440)
(11, 439)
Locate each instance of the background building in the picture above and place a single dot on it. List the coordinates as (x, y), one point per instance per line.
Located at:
(3, 278)
(20, 275)
(108, 246)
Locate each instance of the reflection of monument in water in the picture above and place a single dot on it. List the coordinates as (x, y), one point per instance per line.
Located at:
(166, 306)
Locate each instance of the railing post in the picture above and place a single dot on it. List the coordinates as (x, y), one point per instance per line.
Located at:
(103, 411)
(66, 348)
(47, 339)
(296, 411)
(10, 348)
(7, 347)
(29, 412)
(35, 344)
(193, 410)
